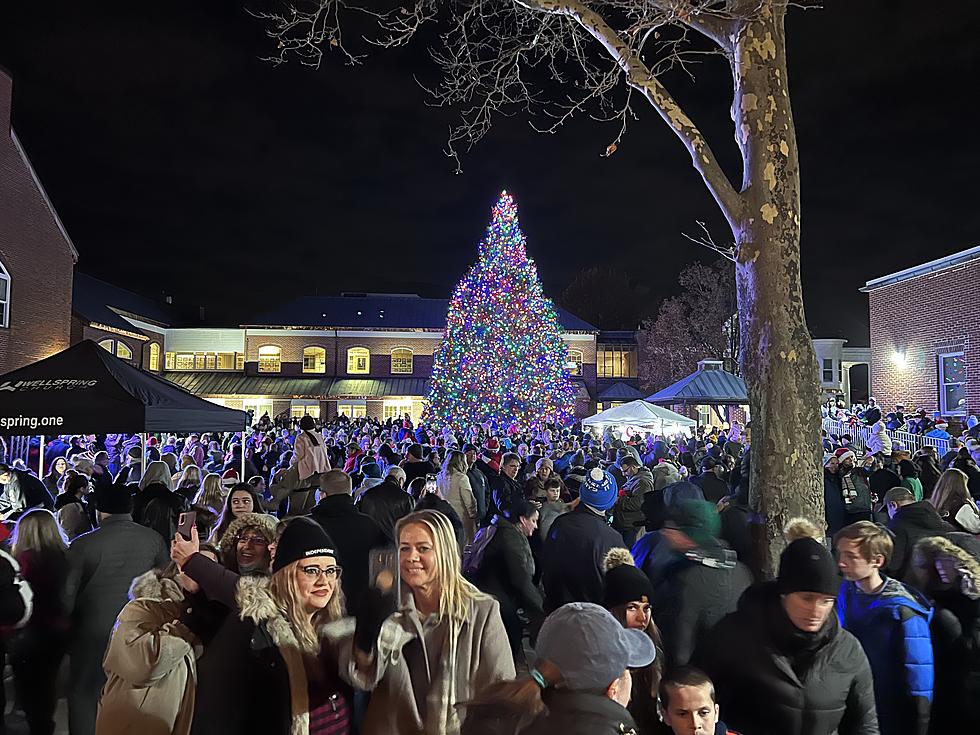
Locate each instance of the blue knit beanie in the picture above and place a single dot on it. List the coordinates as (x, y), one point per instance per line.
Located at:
(599, 489)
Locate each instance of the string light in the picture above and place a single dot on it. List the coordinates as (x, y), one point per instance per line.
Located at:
(502, 359)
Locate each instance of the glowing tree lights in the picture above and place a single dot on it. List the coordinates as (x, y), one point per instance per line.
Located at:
(502, 359)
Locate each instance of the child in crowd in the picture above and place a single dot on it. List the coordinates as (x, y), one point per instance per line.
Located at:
(891, 621)
(687, 703)
(551, 506)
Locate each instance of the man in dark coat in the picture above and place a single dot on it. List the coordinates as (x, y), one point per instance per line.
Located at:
(628, 511)
(782, 664)
(505, 485)
(909, 522)
(478, 482)
(354, 533)
(712, 480)
(578, 543)
(21, 491)
(101, 567)
(415, 464)
(697, 580)
(387, 502)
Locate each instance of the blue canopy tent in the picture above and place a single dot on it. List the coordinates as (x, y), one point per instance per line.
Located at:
(711, 385)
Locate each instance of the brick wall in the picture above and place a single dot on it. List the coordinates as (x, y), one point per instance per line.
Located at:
(920, 318)
(97, 335)
(35, 254)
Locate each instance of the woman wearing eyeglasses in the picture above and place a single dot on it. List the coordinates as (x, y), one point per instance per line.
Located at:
(445, 644)
(265, 670)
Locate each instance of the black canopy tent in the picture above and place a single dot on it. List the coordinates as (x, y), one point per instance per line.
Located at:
(86, 390)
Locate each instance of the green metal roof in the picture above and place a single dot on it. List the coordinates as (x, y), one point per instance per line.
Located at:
(233, 384)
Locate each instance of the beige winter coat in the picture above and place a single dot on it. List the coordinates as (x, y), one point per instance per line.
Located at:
(458, 492)
(150, 665)
(476, 656)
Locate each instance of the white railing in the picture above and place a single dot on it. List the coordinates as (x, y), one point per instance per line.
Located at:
(900, 439)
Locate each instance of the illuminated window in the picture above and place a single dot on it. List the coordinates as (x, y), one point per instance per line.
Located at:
(352, 410)
(226, 360)
(401, 361)
(209, 361)
(168, 361)
(239, 361)
(358, 361)
(395, 408)
(108, 345)
(270, 359)
(314, 360)
(123, 351)
(952, 384)
(199, 361)
(184, 361)
(616, 361)
(575, 359)
(298, 412)
(154, 356)
(4, 297)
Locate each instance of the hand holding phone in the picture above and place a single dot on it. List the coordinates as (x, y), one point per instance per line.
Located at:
(187, 521)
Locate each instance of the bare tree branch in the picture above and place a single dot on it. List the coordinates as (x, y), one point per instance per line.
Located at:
(726, 251)
(640, 78)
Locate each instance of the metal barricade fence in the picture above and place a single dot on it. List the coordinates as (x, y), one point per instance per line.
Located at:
(900, 439)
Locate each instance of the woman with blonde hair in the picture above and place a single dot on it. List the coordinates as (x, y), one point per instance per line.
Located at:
(445, 642)
(37, 649)
(454, 487)
(211, 496)
(272, 640)
(953, 502)
(189, 482)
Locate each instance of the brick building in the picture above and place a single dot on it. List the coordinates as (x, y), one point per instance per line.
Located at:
(36, 256)
(925, 336)
(358, 354)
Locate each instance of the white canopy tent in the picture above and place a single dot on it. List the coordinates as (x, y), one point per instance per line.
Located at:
(641, 416)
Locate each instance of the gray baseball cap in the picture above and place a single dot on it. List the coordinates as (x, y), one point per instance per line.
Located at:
(590, 647)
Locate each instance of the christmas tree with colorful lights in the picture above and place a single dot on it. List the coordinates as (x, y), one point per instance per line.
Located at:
(502, 359)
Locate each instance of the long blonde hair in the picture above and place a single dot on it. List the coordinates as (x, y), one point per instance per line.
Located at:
(952, 493)
(456, 595)
(211, 495)
(191, 476)
(284, 588)
(39, 531)
(455, 592)
(455, 464)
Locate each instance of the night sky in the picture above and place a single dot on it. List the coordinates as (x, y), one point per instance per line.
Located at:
(182, 163)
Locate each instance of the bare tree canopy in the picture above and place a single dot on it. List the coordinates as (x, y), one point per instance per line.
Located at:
(606, 57)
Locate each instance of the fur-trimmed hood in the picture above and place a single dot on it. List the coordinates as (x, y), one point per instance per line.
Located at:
(153, 586)
(266, 525)
(936, 547)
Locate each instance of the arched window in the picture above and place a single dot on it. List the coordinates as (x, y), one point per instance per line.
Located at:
(402, 361)
(108, 345)
(358, 361)
(575, 359)
(314, 360)
(123, 350)
(4, 297)
(154, 356)
(270, 359)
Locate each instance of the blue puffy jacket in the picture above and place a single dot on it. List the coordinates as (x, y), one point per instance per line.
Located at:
(893, 628)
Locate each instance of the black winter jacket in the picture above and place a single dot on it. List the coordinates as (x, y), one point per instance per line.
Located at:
(386, 503)
(573, 554)
(355, 534)
(258, 646)
(568, 713)
(773, 679)
(507, 570)
(911, 523)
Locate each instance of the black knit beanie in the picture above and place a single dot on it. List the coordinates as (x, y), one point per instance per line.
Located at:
(302, 539)
(625, 583)
(807, 566)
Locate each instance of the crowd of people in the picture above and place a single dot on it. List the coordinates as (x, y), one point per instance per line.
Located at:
(376, 577)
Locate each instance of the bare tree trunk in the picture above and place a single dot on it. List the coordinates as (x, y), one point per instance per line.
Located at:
(777, 357)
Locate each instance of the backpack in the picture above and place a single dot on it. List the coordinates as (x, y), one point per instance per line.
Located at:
(474, 553)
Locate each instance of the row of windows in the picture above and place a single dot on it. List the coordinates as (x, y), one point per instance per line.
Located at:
(616, 361)
(315, 360)
(201, 360)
